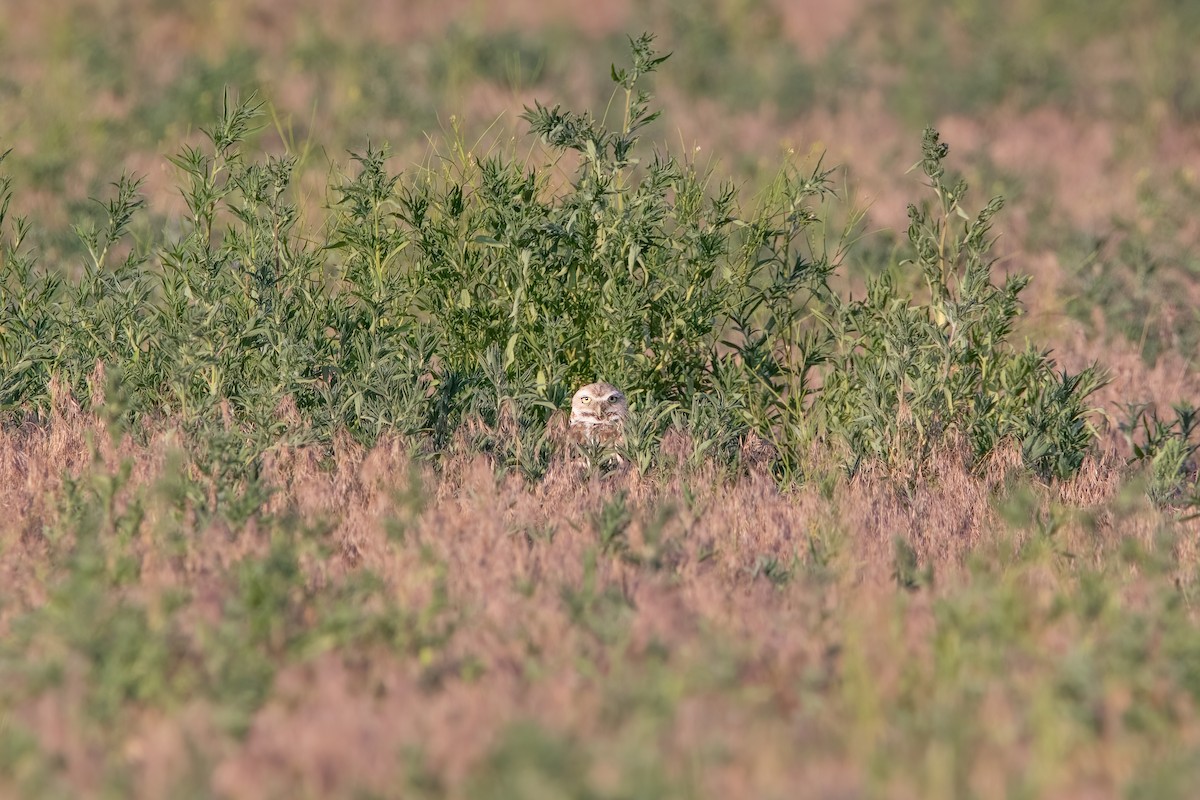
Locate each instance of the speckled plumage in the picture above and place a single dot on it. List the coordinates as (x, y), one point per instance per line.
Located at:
(598, 413)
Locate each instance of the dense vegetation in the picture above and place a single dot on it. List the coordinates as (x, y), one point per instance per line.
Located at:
(482, 289)
(287, 509)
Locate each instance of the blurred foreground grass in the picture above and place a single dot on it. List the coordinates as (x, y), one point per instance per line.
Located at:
(390, 630)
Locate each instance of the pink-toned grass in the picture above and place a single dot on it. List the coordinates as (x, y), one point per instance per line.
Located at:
(684, 661)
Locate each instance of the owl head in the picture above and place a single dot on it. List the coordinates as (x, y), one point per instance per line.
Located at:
(599, 408)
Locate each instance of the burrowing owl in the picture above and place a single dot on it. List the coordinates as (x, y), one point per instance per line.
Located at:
(598, 413)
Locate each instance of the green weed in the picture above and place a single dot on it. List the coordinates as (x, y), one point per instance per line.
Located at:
(911, 376)
(481, 292)
(1167, 448)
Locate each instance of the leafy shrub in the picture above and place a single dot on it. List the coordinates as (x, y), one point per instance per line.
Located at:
(472, 299)
(1167, 448)
(907, 376)
(29, 324)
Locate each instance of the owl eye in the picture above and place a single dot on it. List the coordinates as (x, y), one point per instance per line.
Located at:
(585, 399)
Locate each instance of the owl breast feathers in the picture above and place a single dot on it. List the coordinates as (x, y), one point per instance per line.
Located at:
(598, 413)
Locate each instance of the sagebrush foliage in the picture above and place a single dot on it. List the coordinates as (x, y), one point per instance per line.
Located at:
(1167, 447)
(485, 290)
(906, 375)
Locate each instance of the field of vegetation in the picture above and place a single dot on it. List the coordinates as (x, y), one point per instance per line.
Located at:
(294, 297)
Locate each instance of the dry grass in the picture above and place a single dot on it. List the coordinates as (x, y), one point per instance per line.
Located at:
(725, 640)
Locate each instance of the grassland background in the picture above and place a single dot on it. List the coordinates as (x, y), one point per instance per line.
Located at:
(388, 629)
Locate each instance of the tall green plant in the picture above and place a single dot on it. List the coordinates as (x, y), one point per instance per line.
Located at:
(910, 375)
(28, 316)
(475, 297)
